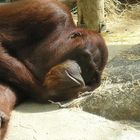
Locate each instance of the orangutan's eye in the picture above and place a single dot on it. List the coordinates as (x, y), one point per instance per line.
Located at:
(75, 34)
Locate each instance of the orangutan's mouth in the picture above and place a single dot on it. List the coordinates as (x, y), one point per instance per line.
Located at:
(76, 79)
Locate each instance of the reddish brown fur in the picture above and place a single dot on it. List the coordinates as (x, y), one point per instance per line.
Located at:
(36, 36)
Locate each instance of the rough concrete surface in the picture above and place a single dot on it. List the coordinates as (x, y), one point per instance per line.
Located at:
(38, 122)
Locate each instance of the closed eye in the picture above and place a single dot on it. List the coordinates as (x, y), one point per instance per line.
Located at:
(74, 35)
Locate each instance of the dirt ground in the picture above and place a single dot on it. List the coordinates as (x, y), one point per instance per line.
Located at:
(124, 29)
(123, 32)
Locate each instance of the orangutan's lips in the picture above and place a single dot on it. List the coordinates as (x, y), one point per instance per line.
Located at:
(77, 79)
